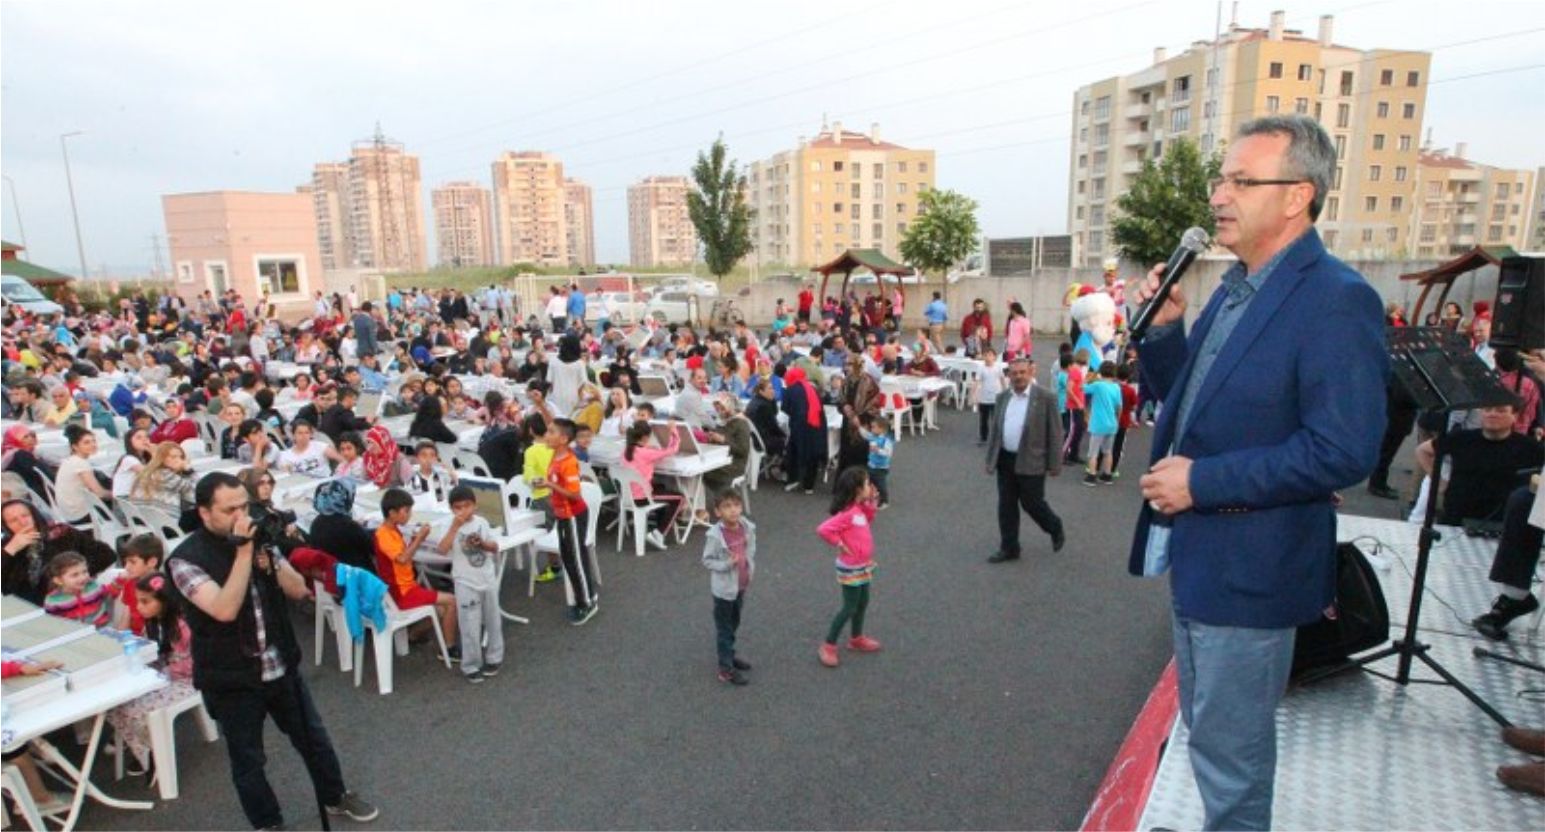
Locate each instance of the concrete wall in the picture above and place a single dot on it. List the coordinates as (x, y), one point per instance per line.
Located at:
(1041, 291)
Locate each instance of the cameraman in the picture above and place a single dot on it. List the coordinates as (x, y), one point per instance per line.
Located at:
(245, 656)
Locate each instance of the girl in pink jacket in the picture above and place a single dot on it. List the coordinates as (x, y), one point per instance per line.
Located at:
(641, 456)
(848, 529)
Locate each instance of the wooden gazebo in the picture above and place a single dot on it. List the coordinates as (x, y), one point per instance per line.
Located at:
(855, 259)
(1444, 275)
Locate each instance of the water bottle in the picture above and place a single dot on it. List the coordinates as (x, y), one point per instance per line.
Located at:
(131, 662)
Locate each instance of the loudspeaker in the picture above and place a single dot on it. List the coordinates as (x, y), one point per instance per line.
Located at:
(1357, 620)
(1518, 315)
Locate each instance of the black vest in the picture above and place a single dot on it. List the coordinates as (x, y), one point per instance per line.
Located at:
(223, 657)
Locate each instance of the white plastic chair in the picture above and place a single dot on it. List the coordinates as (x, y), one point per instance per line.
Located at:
(330, 614)
(467, 462)
(630, 509)
(755, 458)
(13, 784)
(163, 741)
(896, 405)
(395, 639)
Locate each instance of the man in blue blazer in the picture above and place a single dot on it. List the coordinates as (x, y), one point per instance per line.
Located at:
(1271, 404)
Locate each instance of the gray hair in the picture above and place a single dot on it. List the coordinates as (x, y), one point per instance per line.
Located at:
(1310, 155)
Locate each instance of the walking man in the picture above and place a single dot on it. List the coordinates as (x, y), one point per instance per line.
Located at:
(1024, 446)
(245, 656)
(1274, 402)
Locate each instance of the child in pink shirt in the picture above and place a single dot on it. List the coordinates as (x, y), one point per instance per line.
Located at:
(848, 529)
(641, 457)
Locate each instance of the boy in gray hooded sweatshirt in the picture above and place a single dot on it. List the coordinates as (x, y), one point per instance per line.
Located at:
(729, 552)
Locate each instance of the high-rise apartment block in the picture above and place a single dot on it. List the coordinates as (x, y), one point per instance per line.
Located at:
(837, 191)
(529, 219)
(1462, 204)
(370, 210)
(1535, 238)
(463, 224)
(578, 222)
(1371, 102)
(660, 230)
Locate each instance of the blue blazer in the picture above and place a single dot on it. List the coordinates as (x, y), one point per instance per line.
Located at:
(1291, 411)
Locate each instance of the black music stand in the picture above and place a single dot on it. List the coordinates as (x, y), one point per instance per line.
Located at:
(1441, 373)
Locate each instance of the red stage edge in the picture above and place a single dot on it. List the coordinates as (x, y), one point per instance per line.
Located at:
(1123, 794)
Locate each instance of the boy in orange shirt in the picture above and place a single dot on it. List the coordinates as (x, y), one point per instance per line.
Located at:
(394, 561)
(570, 511)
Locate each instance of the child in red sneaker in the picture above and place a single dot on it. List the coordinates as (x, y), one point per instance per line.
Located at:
(848, 529)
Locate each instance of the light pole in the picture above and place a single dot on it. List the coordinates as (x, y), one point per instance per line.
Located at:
(16, 206)
(80, 247)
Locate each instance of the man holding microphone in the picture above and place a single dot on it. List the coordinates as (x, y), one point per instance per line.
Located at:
(1273, 402)
(245, 657)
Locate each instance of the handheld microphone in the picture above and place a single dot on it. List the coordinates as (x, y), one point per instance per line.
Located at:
(1192, 243)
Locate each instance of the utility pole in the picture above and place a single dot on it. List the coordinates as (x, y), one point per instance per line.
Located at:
(16, 207)
(155, 246)
(80, 246)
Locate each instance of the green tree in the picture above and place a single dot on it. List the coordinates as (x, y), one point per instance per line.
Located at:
(944, 232)
(1165, 199)
(718, 209)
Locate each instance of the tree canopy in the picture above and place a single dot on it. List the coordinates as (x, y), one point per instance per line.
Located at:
(944, 232)
(1165, 199)
(717, 205)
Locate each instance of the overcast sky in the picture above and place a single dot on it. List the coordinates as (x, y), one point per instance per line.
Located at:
(199, 96)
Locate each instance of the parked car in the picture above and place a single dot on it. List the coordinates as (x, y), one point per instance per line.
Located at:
(688, 283)
(672, 306)
(25, 295)
(620, 307)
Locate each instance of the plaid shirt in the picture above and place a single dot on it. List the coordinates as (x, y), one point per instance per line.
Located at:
(189, 578)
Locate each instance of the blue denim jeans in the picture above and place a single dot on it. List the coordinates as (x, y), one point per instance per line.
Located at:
(1231, 679)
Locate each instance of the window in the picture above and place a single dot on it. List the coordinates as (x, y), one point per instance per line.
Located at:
(837, 166)
(879, 231)
(1212, 79)
(1275, 70)
(1346, 83)
(922, 167)
(1102, 108)
(922, 186)
(815, 165)
(855, 235)
(1318, 105)
(1097, 215)
(1413, 78)
(1382, 109)
(819, 206)
(1207, 108)
(1083, 160)
(879, 190)
(855, 190)
(1341, 147)
(1375, 172)
(1097, 241)
(1273, 103)
(816, 229)
(1083, 107)
(1405, 142)
(1502, 190)
(1386, 77)
(877, 211)
(1099, 162)
(1080, 186)
(1333, 209)
(837, 208)
(901, 208)
(1429, 233)
(879, 170)
(1158, 148)
(1371, 204)
(1378, 141)
(1083, 135)
(279, 275)
(1101, 136)
(1305, 72)
(856, 211)
(1099, 188)
(1181, 90)
(901, 229)
(1397, 204)
(1408, 110)
(1301, 106)
(1367, 235)
(1078, 213)
(1498, 212)
(858, 170)
(1391, 235)
(815, 187)
(184, 272)
(215, 274)
(901, 188)
(901, 167)
(1434, 189)
(1180, 120)
(1400, 173)
(1343, 115)
(1494, 234)
(1330, 239)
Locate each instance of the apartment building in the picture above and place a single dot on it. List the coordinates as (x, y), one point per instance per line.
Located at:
(1535, 238)
(1463, 203)
(530, 223)
(660, 230)
(1372, 102)
(463, 224)
(579, 223)
(840, 190)
(370, 209)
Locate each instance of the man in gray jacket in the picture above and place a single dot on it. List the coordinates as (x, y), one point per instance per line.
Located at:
(1023, 448)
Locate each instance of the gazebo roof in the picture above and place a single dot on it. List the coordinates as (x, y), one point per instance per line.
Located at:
(863, 258)
(1471, 260)
(36, 275)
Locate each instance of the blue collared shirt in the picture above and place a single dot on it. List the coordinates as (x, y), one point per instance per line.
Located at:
(1241, 288)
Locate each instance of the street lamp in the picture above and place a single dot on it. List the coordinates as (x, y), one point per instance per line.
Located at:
(80, 246)
(16, 206)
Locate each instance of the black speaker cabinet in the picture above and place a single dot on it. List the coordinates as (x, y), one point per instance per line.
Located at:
(1518, 316)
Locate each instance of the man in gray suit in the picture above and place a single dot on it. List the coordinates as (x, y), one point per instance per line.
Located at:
(1023, 447)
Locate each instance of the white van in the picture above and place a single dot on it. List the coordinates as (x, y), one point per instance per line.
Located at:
(25, 295)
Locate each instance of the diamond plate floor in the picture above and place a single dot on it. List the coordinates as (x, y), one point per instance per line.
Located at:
(1359, 752)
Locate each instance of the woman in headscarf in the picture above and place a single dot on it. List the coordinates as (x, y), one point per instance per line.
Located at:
(274, 525)
(383, 459)
(860, 397)
(428, 422)
(20, 456)
(590, 411)
(335, 531)
(567, 374)
(807, 430)
(29, 542)
(734, 431)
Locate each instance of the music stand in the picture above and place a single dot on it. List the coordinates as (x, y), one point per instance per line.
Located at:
(1439, 371)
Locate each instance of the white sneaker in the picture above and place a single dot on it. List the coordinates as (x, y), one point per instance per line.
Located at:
(656, 539)
(792, 486)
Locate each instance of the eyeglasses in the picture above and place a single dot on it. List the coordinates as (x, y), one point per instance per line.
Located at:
(1239, 183)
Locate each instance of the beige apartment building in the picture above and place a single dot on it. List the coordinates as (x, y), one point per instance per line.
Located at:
(370, 210)
(1463, 203)
(530, 222)
(260, 244)
(1534, 239)
(1372, 102)
(463, 224)
(579, 223)
(837, 191)
(660, 230)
